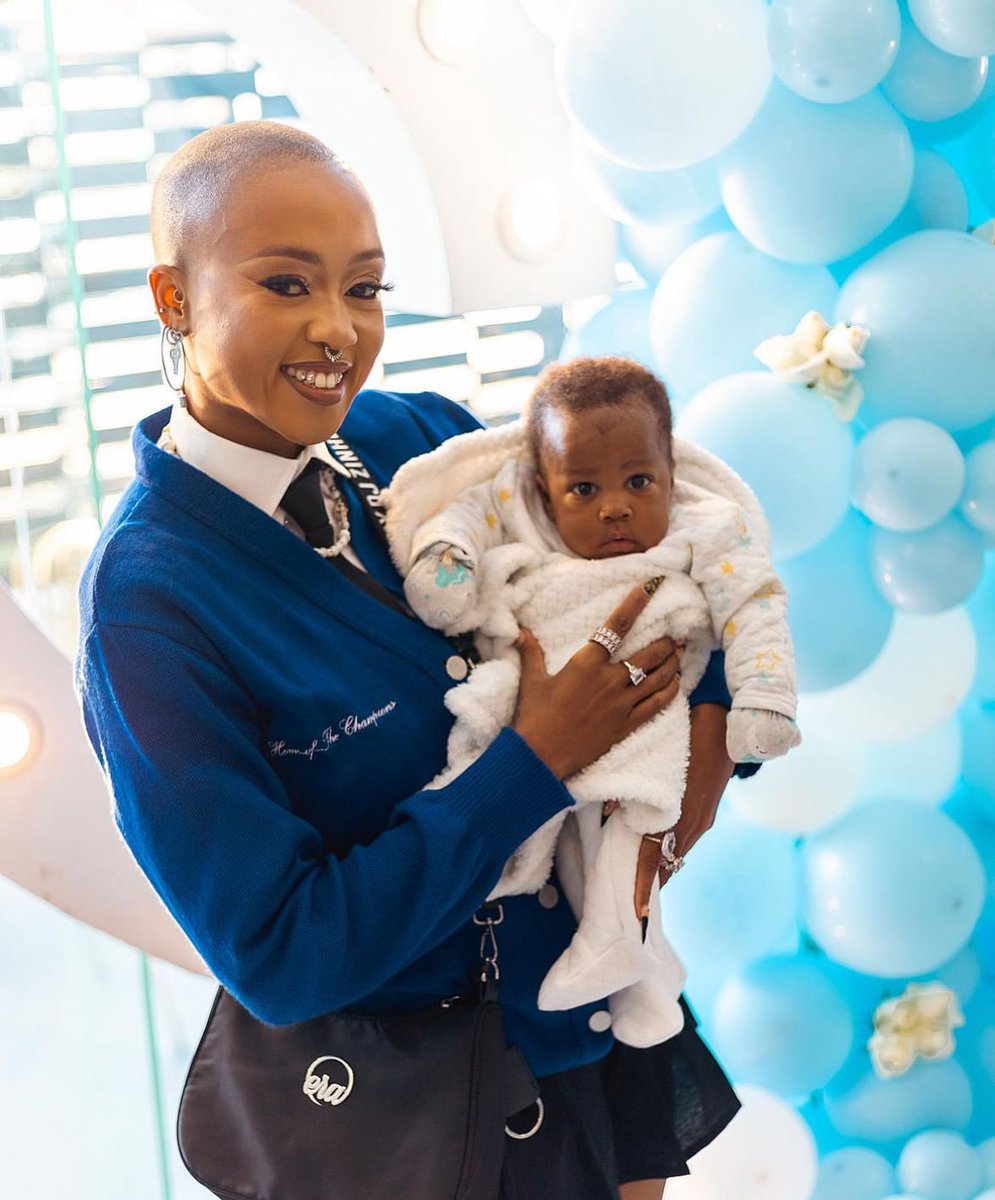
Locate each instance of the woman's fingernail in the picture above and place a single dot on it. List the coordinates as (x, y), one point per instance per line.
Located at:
(644, 923)
(650, 586)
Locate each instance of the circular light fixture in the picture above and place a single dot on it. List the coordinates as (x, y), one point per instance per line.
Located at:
(451, 30)
(20, 738)
(530, 220)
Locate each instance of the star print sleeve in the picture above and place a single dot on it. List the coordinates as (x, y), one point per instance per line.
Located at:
(748, 606)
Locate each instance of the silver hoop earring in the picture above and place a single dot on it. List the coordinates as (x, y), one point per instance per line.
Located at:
(332, 358)
(174, 364)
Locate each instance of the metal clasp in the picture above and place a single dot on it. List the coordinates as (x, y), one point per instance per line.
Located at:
(489, 916)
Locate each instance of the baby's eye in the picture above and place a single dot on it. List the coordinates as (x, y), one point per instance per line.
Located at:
(638, 482)
(583, 489)
(369, 289)
(286, 285)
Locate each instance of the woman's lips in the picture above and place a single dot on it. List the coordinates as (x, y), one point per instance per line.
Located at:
(317, 390)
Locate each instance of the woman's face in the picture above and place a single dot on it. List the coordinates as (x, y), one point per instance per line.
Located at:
(291, 264)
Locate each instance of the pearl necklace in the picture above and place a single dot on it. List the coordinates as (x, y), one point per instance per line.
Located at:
(339, 514)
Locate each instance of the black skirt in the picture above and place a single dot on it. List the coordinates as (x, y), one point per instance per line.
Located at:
(635, 1114)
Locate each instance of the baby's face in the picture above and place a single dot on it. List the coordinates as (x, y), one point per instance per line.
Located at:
(606, 479)
(291, 264)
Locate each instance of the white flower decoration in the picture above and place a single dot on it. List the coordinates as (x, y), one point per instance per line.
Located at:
(917, 1024)
(821, 357)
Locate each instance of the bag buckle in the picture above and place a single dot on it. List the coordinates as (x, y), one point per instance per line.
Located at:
(489, 916)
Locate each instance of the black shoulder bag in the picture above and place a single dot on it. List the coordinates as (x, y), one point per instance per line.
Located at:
(355, 1107)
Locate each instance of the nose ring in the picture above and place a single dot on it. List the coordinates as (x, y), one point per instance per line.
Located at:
(332, 358)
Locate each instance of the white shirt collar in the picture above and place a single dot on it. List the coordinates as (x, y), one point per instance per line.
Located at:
(258, 476)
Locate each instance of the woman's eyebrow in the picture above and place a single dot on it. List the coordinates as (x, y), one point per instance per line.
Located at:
(308, 256)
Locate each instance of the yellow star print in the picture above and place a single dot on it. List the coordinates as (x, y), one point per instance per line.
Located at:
(491, 520)
(765, 592)
(504, 495)
(727, 568)
(767, 660)
(731, 629)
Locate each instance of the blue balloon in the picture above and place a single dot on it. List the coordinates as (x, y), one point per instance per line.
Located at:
(833, 50)
(981, 610)
(810, 183)
(977, 504)
(892, 888)
(974, 813)
(666, 84)
(907, 474)
(854, 1173)
(976, 1053)
(937, 201)
(650, 197)
(929, 301)
(930, 571)
(620, 327)
(718, 301)
(964, 27)
(977, 722)
(884, 1110)
(781, 1024)
(713, 911)
(926, 84)
(940, 1165)
(652, 248)
(835, 641)
(787, 444)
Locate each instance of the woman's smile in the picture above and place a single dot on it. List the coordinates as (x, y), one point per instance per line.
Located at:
(318, 382)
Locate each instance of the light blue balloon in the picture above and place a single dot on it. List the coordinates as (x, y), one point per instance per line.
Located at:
(940, 1165)
(714, 912)
(652, 248)
(854, 1173)
(835, 639)
(929, 301)
(620, 327)
(925, 84)
(938, 200)
(976, 1052)
(650, 197)
(892, 888)
(977, 503)
(781, 1024)
(811, 183)
(981, 610)
(965, 27)
(787, 443)
(907, 474)
(883, 1110)
(831, 51)
(987, 1151)
(977, 722)
(663, 85)
(930, 571)
(718, 301)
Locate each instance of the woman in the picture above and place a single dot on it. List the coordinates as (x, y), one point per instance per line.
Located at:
(268, 721)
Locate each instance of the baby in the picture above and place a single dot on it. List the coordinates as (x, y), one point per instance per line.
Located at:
(554, 519)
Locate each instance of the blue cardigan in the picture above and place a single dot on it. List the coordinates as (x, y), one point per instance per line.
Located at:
(267, 729)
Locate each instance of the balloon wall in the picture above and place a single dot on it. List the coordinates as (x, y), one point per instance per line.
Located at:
(767, 162)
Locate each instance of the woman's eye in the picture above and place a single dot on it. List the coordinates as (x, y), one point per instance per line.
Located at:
(286, 285)
(369, 289)
(583, 489)
(638, 482)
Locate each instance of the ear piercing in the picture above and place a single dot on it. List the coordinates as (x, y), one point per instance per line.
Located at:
(332, 358)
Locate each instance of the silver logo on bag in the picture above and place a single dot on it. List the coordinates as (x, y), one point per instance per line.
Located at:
(321, 1089)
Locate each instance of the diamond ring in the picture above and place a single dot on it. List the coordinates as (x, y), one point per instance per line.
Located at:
(636, 674)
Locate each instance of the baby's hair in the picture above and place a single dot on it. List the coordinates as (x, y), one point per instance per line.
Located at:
(194, 183)
(588, 383)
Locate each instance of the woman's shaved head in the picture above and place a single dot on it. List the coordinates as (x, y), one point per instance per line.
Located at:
(196, 181)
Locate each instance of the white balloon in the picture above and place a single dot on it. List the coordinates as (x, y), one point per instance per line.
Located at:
(962, 27)
(766, 1152)
(924, 769)
(550, 17)
(806, 789)
(915, 684)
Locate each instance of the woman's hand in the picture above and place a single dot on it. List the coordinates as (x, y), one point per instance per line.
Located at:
(572, 718)
(709, 770)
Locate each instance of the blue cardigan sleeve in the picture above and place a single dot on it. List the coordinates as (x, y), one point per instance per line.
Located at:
(289, 929)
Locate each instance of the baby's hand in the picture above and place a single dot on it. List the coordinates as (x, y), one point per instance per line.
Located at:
(753, 734)
(441, 585)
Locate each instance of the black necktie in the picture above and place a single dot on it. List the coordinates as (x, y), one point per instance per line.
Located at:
(305, 502)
